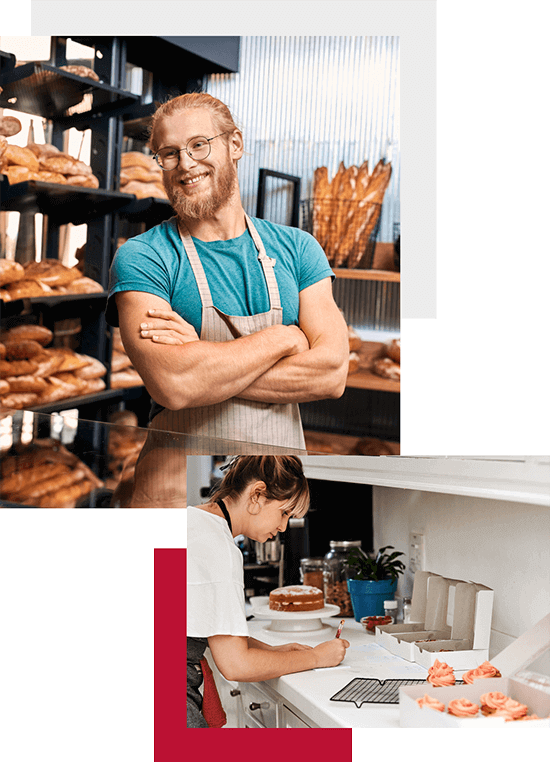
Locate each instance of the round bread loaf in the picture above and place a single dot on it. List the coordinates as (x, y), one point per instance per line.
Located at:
(296, 598)
(28, 332)
(10, 271)
(9, 125)
(138, 159)
(387, 368)
(51, 272)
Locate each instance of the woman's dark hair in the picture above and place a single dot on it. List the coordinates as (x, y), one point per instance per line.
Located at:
(283, 476)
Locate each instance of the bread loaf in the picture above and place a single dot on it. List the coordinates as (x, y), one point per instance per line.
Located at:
(125, 378)
(22, 157)
(43, 149)
(3, 146)
(93, 369)
(28, 332)
(9, 125)
(85, 286)
(26, 384)
(82, 181)
(51, 272)
(27, 289)
(22, 350)
(94, 385)
(17, 174)
(393, 350)
(119, 361)
(353, 365)
(2, 351)
(387, 368)
(18, 401)
(4, 386)
(48, 363)
(61, 162)
(51, 177)
(144, 190)
(17, 368)
(80, 71)
(10, 271)
(139, 173)
(354, 340)
(137, 159)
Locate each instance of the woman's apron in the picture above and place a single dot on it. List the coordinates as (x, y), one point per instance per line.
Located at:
(195, 651)
(236, 419)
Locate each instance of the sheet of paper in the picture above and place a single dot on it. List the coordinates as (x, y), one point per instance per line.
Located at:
(380, 663)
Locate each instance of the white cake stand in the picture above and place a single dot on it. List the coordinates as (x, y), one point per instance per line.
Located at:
(292, 621)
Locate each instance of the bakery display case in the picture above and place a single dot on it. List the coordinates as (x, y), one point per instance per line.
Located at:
(61, 460)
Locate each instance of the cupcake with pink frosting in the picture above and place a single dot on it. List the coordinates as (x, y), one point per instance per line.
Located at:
(463, 708)
(440, 674)
(511, 710)
(430, 703)
(484, 670)
(492, 701)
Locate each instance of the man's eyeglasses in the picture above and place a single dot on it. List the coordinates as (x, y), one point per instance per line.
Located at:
(197, 148)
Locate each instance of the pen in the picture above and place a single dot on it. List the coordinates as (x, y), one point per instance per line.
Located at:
(340, 627)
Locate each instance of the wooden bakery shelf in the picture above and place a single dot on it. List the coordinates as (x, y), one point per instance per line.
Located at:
(321, 443)
(364, 378)
(380, 275)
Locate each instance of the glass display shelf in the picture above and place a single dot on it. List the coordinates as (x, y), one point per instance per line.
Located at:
(60, 460)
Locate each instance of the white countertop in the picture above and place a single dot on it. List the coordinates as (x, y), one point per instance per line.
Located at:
(310, 691)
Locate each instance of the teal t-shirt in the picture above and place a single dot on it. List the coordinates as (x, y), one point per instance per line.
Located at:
(156, 262)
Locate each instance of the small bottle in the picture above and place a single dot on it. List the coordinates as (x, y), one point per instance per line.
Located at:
(390, 609)
(406, 610)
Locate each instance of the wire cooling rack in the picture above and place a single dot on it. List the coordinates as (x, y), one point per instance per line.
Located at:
(370, 690)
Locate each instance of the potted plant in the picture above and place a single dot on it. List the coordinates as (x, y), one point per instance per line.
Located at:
(371, 581)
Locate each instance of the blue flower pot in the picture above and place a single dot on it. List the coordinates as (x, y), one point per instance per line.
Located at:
(367, 597)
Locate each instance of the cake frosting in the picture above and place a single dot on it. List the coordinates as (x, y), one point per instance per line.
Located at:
(440, 674)
(430, 703)
(484, 670)
(463, 708)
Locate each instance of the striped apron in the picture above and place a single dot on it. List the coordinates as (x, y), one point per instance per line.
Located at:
(236, 419)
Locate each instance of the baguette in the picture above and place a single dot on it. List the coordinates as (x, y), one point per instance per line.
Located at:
(17, 174)
(22, 350)
(33, 384)
(66, 497)
(82, 181)
(18, 401)
(47, 486)
(23, 479)
(17, 368)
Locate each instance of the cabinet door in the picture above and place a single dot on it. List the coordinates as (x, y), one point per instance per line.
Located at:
(291, 720)
(259, 708)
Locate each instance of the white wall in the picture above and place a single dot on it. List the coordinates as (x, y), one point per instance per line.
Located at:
(503, 545)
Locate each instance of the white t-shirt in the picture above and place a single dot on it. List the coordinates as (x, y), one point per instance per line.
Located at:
(215, 578)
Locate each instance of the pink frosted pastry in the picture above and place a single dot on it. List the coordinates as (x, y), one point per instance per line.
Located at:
(440, 674)
(430, 703)
(529, 717)
(492, 701)
(484, 670)
(511, 710)
(462, 708)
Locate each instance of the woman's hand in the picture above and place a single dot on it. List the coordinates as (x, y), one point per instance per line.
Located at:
(291, 647)
(167, 327)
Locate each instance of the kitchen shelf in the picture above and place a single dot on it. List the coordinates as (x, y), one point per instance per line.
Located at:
(19, 306)
(86, 399)
(523, 480)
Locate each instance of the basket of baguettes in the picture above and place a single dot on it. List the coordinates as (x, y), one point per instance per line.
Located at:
(344, 212)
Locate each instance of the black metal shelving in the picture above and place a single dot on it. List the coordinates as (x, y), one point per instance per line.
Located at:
(117, 118)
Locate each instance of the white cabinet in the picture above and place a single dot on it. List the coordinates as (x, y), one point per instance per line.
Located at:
(521, 479)
(291, 720)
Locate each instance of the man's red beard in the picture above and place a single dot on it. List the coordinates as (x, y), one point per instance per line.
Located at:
(223, 183)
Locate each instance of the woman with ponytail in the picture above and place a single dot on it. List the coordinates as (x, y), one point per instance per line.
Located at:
(256, 498)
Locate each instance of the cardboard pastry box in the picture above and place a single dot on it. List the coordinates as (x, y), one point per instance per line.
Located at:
(526, 687)
(450, 621)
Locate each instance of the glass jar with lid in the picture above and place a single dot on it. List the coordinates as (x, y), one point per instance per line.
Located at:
(311, 572)
(335, 567)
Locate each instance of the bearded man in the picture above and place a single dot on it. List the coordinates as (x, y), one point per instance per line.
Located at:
(229, 320)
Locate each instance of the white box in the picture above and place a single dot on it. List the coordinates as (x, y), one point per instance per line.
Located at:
(523, 686)
(454, 615)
